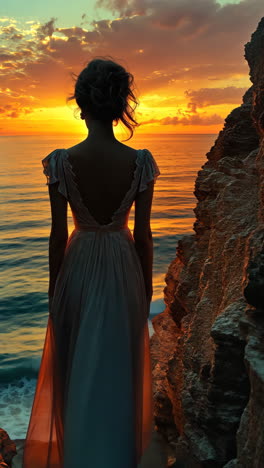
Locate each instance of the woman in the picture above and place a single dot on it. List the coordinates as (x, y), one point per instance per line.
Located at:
(93, 401)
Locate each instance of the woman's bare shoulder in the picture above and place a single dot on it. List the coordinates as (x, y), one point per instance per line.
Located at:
(102, 148)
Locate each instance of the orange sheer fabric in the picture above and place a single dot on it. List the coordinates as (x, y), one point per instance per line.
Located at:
(44, 441)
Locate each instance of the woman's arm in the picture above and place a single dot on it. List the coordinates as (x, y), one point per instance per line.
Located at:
(58, 235)
(145, 252)
(143, 236)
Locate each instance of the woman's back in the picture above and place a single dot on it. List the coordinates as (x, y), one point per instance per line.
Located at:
(104, 174)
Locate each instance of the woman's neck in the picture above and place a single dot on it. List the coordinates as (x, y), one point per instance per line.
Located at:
(98, 130)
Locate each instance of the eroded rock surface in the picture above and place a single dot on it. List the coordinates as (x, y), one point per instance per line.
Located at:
(7, 449)
(208, 345)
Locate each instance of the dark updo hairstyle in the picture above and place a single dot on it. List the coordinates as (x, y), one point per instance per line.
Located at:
(104, 90)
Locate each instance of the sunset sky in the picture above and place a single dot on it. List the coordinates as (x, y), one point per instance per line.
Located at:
(187, 58)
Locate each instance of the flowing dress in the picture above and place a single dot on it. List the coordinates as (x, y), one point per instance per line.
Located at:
(93, 404)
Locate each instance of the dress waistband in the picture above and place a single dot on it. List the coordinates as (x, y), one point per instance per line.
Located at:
(102, 228)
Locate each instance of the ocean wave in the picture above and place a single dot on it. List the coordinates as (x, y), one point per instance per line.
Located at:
(13, 368)
(15, 406)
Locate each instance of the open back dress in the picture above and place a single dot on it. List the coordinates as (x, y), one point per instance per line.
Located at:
(93, 404)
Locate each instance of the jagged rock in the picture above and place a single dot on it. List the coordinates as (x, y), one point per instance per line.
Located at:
(208, 345)
(254, 291)
(250, 435)
(161, 351)
(7, 449)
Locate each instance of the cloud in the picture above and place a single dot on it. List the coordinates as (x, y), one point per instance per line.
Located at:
(212, 96)
(124, 7)
(13, 111)
(47, 29)
(173, 47)
(196, 119)
(11, 33)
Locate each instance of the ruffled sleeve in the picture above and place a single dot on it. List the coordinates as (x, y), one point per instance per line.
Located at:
(54, 170)
(150, 171)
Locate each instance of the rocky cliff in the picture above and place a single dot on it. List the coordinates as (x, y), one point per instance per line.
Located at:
(208, 345)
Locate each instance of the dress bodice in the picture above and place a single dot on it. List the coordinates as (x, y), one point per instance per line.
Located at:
(57, 168)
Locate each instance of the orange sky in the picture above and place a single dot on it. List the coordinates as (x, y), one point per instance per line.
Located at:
(187, 59)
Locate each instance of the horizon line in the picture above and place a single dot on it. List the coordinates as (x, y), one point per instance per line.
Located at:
(74, 134)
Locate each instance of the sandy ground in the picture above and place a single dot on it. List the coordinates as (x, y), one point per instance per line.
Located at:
(155, 455)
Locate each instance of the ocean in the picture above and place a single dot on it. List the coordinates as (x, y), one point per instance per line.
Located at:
(25, 226)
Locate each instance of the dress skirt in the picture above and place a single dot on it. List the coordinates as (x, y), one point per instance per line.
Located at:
(93, 405)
